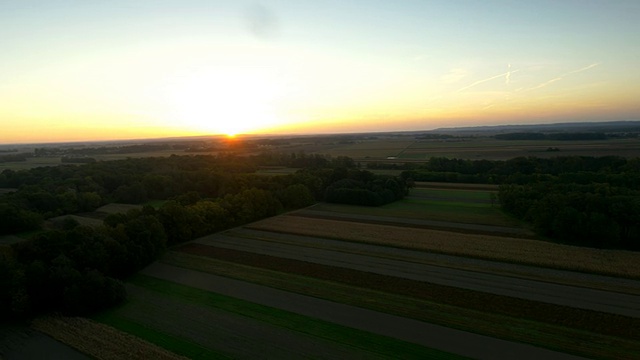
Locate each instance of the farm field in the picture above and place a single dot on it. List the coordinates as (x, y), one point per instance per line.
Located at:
(99, 341)
(583, 332)
(425, 302)
(378, 261)
(294, 278)
(398, 148)
(378, 148)
(95, 218)
(492, 149)
(115, 208)
(405, 147)
(82, 220)
(223, 326)
(498, 248)
(448, 205)
(30, 163)
(411, 280)
(34, 162)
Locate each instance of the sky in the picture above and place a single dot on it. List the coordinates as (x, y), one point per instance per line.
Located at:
(78, 70)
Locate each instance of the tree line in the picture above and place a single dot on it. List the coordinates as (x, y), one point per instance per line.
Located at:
(615, 170)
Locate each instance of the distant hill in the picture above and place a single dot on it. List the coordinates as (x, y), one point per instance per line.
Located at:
(605, 126)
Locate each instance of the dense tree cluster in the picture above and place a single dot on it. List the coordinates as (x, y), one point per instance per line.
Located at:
(303, 160)
(14, 157)
(595, 214)
(361, 187)
(77, 269)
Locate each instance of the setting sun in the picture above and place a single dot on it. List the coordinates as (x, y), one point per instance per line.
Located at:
(223, 101)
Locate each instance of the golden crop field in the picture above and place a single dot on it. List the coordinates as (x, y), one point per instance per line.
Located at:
(98, 340)
(524, 251)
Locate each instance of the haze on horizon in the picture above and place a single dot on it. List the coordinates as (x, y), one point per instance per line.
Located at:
(75, 70)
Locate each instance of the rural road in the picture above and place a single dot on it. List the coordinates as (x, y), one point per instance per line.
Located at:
(425, 334)
(342, 254)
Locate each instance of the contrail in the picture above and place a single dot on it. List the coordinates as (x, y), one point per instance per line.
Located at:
(507, 78)
(488, 79)
(563, 76)
(582, 69)
(545, 83)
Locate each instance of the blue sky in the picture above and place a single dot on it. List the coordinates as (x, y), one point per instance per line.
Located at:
(83, 70)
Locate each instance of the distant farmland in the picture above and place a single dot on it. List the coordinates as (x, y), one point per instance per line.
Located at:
(380, 147)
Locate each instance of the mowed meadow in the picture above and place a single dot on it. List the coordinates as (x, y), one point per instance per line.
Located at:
(411, 279)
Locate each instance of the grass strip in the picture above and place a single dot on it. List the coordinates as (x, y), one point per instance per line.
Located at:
(373, 343)
(560, 338)
(174, 344)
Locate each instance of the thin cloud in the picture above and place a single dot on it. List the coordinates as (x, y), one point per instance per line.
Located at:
(563, 76)
(454, 75)
(487, 79)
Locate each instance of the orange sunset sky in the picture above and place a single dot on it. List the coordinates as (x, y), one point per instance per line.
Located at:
(75, 70)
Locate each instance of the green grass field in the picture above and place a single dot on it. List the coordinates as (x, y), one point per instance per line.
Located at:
(453, 194)
(159, 290)
(461, 206)
(276, 171)
(31, 163)
(115, 208)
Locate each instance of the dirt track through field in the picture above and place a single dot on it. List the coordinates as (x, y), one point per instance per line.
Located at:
(433, 336)
(590, 299)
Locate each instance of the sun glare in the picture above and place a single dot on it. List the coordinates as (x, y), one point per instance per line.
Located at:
(227, 103)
